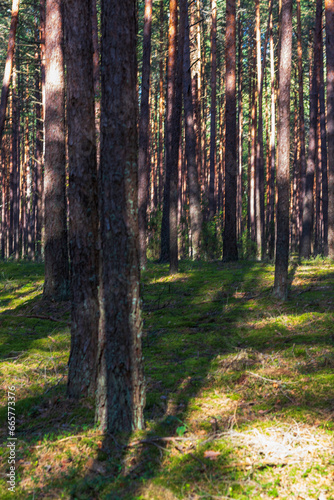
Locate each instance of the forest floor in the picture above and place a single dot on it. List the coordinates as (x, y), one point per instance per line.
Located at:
(240, 390)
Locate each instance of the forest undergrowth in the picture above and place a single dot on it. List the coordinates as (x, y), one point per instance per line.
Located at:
(240, 389)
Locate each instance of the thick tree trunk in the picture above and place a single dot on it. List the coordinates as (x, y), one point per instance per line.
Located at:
(171, 72)
(329, 6)
(212, 201)
(83, 198)
(8, 65)
(230, 250)
(190, 140)
(120, 393)
(56, 252)
(308, 202)
(283, 174)
(144, 133)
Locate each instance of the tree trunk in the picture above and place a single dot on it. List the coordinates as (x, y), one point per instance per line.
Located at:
(308, 209)
(120, 393)
(323, 146)
(212, 201)
(176, 136)
(283, 174)
(230, 250)
(271, 202)
(56, 253)
(9, 65)
(329, 7)
(83, 198)
(144, 133)
(171, 72)
(190, 140)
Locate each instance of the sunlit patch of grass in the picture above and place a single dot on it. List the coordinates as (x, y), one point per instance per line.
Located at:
(223, 362)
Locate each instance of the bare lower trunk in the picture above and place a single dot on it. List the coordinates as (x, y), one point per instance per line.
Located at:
(283, 174)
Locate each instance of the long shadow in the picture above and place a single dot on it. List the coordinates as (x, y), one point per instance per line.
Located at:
(189, 321)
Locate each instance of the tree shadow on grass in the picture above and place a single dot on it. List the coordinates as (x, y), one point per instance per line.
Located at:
(202, 318)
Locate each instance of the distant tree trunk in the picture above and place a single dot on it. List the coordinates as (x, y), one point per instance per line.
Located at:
(16, 166)
(56, 253)
(259, 141)
(161, 102)
(120, 393)
(83, 198)
(283, 174)
(176, 137)
(144, 133)
(212, 201)
(9, 65)
(240, 127)
(308, 209)
(323, 146)
(253, 114)
(329, 7)
(171, 72)
(38, 179)
(271, 201)
(302, 166)
(190, 140)
(230, 249)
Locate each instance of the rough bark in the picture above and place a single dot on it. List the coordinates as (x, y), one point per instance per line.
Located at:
(82, 194)
(120, 393)
(144, 133)
(329, 7)
(230, 250)
(55, 250)
(190, 143)
(283, 174)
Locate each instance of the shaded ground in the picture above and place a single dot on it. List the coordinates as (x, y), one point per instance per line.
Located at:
(241, 388)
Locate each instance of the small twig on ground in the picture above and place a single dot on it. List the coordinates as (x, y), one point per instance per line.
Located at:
(38, 316)
(280, 382)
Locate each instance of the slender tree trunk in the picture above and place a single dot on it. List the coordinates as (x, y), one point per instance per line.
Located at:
(8, 65)
(283, 174)
(144, 133)
(259, 141)
(240, 127)
(323, 145)
(230, 250)
(171, 72)
(176, 136)
(302, 166)
(308, 209)
(161, 102)
(83, 198)
(271, 202)
(329, 7)
(120, 393)
(56, 253)
(190, 140)
(252, 153)
(212, 201)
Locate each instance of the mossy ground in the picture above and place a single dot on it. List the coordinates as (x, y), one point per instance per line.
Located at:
(228, 369)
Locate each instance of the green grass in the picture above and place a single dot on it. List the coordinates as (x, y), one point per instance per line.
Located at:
(228, 370)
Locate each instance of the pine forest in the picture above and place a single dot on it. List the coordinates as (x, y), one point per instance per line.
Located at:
(167, 249)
